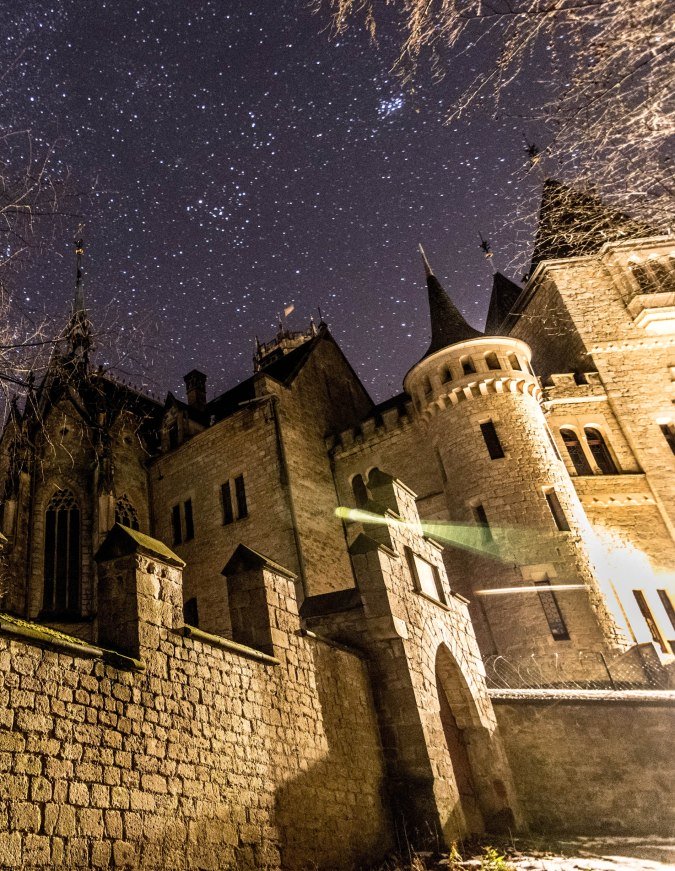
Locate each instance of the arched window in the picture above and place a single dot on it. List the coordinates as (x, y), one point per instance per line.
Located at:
(492, 360)
(600, 451)
(125, 513)
(576, 452)
(62, 555)
(467, 365)
(514, 362)
(360, 491)
(446, 375)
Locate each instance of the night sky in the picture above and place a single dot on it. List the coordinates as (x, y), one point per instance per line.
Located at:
(244, 161)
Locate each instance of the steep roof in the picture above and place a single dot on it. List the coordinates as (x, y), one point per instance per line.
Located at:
(573, 223)
(504, 295)
(448, 325)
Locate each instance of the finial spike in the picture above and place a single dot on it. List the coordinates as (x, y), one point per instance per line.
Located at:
(427, 268)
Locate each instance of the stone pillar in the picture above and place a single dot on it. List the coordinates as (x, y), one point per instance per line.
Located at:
(263, 605)
(140, 591)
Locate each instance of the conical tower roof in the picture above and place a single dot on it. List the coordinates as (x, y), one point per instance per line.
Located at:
(448, 325)
(504, 295)
(573, 223)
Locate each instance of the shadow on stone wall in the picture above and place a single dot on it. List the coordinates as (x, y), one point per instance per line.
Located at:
(316, 821)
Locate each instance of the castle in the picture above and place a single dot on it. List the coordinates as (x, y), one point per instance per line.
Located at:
(264, 629)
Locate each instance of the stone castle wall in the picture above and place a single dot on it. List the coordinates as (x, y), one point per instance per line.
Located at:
(596, 766)
(198, 753)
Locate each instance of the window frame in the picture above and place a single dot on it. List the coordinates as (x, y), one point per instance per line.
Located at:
(412, 557)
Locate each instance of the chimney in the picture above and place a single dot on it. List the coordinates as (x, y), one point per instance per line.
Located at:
(195, 386)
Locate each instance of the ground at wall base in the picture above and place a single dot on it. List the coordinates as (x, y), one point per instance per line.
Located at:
(543, 853)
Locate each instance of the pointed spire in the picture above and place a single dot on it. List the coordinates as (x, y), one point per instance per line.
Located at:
(78, 305)
(78, 333)
(448, 325)
(573, 223)
(504, 295)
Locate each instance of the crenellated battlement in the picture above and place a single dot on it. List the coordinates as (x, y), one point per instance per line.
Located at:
(470, 370)
(573, 387)
(381, 425)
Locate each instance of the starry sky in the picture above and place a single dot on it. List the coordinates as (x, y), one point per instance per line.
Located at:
(235, 159)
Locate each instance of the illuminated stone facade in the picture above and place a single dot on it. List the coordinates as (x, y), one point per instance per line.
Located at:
(278, 654)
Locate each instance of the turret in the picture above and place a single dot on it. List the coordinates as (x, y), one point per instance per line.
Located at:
(479, 400)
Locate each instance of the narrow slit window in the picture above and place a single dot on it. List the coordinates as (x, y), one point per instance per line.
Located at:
(226, 493)
(360, 491)
(190, 612)
(645, 610)
(481, 519)
(514, 362)
(576, 452)
(240, 492)
(557, 511)
(492, 442)
(467, 365)
(600, 452)
(668, 430)
(667, 606)
(189, 520)
(492, 360)
(175, 525)
(441, 466)
(552, 612)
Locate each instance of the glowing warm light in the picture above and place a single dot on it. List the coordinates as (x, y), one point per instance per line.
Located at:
(563, 588)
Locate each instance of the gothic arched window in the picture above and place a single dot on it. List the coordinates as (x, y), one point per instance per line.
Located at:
(125, 513)
(576, 452)
(600, 451)
(62, 555)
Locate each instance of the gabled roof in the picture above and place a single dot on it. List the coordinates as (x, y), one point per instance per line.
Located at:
(573, 223)
(504, 295)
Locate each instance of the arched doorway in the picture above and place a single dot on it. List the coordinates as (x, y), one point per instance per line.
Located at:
(457, 714)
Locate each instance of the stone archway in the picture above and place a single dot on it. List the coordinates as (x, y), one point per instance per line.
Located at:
(459, 717)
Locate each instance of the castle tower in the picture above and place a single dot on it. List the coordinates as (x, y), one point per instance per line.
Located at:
(511, 505)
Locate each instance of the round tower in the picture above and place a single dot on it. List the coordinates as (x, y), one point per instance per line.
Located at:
(522, 532)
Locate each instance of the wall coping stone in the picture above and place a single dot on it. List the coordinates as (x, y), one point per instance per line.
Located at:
(576, 696)
(244, 558)
(44, 635)
(122, 541)
(227, 644)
